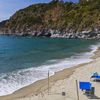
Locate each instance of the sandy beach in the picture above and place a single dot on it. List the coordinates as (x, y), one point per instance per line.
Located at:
(63, 81)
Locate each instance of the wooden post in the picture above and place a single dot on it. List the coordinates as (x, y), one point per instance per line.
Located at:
(48, 82)
(77, 90)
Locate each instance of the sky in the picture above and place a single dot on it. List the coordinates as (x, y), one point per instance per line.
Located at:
(9, 7)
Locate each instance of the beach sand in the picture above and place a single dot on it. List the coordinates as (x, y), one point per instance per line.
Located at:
(62, 81)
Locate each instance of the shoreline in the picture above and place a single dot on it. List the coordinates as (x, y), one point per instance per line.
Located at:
(40, 83)
(56, 35)
(20, 78)
(39, 86)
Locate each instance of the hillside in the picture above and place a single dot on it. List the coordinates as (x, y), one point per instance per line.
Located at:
(56, 18)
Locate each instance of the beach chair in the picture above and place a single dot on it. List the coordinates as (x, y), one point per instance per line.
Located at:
(87, 88)
(95, 77)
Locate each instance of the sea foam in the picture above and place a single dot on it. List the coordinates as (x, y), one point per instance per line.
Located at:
(10, 82)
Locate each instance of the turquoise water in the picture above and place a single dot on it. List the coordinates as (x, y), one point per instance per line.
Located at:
(23, 60)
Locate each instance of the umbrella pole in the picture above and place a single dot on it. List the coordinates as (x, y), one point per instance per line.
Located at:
(77, 90)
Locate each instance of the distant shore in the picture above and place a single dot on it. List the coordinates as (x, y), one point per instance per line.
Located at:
(59, 82)
(53, 33)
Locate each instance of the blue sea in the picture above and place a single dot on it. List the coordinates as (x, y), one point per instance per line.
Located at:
(24, 60)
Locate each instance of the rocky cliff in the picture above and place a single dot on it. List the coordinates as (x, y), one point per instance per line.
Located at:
(56, 19)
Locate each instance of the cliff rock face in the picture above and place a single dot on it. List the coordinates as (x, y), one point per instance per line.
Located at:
(56, 19)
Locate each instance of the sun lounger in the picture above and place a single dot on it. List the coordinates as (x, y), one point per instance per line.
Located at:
(95, 77)
(85, 85)
(87, 88)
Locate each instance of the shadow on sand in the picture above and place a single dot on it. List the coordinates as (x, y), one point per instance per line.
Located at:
(94, 97)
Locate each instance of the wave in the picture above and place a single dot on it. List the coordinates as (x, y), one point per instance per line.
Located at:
(10, 82)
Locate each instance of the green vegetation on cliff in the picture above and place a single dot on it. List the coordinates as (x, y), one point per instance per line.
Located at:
(56, 15)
